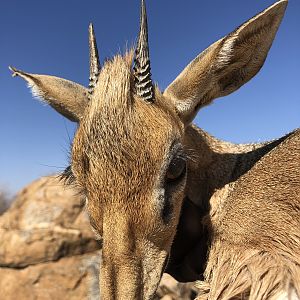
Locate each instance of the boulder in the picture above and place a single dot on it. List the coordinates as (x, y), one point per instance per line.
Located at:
(47, 221)
(48, 250)
(73, 278)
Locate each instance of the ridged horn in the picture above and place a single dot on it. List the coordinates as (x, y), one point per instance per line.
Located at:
(142, 68)
(94, 59)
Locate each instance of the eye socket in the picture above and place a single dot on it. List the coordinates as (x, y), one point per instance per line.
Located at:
(176, 169)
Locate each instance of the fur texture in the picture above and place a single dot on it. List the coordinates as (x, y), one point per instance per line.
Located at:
(255, 230)
(161, 191)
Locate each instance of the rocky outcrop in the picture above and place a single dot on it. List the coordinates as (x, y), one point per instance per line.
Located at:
(72, 277)
(45, 223)
(48, 251)
(170, 289)
(47, 248)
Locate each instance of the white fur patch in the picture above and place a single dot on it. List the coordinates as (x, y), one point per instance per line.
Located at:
(185, 105)
(36, 92)
(289, 295)
(159, 193)
(226, 52)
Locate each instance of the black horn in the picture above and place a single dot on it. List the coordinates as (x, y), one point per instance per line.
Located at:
(94, 59)
(142, 68)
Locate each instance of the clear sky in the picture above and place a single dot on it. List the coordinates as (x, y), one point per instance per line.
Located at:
(50, 37)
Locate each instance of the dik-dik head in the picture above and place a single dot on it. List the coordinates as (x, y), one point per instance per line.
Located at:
(129, 153)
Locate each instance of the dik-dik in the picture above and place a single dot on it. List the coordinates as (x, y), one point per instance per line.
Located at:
(165, 195)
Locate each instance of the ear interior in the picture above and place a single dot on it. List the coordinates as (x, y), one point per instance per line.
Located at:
(245, 50)
(66, 97)
(227, 64)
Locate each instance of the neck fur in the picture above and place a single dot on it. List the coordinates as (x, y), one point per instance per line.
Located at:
(215, 163)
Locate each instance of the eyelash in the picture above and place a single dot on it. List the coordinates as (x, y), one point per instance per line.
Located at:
(181, 155)
(67, 176)
(69, 179)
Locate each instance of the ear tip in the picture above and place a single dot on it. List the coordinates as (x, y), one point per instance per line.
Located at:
(278, 10)
(280, 5)
(284, 2)
(15, 72)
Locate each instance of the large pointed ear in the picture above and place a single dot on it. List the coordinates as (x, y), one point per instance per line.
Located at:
(66, 97)
(227, 64)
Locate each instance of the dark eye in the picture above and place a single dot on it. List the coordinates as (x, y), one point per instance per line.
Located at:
(176, 169)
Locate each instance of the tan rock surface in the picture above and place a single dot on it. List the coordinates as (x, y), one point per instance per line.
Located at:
(48, 251)
(170, 289)
(72, 278)
(47, 221)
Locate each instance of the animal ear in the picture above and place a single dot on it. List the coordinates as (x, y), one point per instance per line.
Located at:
(227, 64)
(66, 97)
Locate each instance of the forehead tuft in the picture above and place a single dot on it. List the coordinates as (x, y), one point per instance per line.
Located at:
(120, 133)
(114, 86)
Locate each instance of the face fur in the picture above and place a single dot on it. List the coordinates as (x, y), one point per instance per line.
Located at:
(129, 159)
(128, 154)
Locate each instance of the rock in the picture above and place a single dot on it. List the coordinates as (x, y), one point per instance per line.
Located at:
(72, 278)
(46, 222)
(171, 289)
(48, 250)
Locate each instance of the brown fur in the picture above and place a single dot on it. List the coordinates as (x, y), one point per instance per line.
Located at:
(234, 211)
(124, 209)
(255, 230)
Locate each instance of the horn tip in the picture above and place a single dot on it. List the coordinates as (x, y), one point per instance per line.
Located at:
(91, 27)
(143, 6)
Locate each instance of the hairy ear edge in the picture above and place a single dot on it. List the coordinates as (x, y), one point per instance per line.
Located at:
(66, 97)
(227, 64)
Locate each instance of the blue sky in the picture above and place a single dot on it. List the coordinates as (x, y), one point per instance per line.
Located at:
(50, 37)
